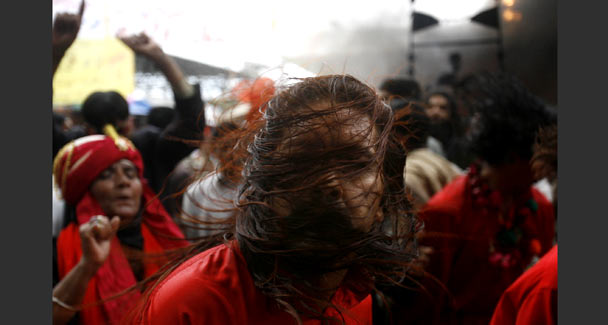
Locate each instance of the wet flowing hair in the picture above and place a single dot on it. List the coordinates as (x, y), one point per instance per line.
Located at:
(507, 118)
(544, 159)
(407, 89)
(296, 216)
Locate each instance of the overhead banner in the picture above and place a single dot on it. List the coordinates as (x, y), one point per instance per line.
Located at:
(93, 65)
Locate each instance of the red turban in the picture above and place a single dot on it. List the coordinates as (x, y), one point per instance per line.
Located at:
(79, 162)
(76, 166)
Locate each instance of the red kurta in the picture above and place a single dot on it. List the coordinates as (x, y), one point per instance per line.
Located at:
(461, 233)
(215, 287)
(532, 299)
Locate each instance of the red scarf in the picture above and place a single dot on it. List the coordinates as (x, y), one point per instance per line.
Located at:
(159, 234)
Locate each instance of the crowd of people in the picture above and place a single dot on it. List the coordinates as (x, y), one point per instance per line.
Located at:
(321, 201)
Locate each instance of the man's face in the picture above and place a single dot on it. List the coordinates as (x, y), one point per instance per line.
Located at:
(438, 109)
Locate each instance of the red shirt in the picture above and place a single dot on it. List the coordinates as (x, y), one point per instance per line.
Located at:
(215, 287)
(532, 299)
(461, 235)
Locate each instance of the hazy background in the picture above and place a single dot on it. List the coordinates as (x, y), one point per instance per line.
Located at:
(369, 39)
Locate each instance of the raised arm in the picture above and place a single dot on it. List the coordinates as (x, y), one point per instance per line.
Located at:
(96, 236)
(65, 30)
(142, 44)
(179, 138)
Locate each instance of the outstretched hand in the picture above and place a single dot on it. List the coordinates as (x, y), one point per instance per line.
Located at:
(96, 236)
(144, 45)
(65, 29)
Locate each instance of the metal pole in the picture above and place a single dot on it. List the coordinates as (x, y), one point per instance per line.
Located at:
(499, 40)
(411, 55)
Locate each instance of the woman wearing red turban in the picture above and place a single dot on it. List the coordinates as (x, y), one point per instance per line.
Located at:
(118, 225)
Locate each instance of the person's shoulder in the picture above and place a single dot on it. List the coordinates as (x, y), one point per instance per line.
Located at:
(198, 288)
(450, 198)
(455, 189)
(545, 271)
(532, 298)
(199, 190)
(431, 160)
(419, 159)
(76, 132)
(211, 266)
(540, 198)
(540, 278)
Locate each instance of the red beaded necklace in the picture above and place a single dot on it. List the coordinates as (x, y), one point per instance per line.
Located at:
(515, 242)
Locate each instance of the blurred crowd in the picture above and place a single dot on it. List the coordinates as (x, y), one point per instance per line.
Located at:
(320, 201)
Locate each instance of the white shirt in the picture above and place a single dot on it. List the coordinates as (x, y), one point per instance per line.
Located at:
(202, 200)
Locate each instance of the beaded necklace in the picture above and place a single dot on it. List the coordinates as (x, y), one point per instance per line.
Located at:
(515, 242)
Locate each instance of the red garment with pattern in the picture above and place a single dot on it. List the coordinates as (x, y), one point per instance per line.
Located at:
(461, 233)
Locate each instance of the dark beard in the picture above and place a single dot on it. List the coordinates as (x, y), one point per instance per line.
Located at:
(441, 131)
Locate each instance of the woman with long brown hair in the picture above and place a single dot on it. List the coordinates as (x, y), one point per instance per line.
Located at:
(321, 217)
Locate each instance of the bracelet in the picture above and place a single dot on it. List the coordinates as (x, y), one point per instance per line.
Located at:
(63, 304)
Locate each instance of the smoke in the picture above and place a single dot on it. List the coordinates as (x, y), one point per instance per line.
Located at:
(379, 48)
